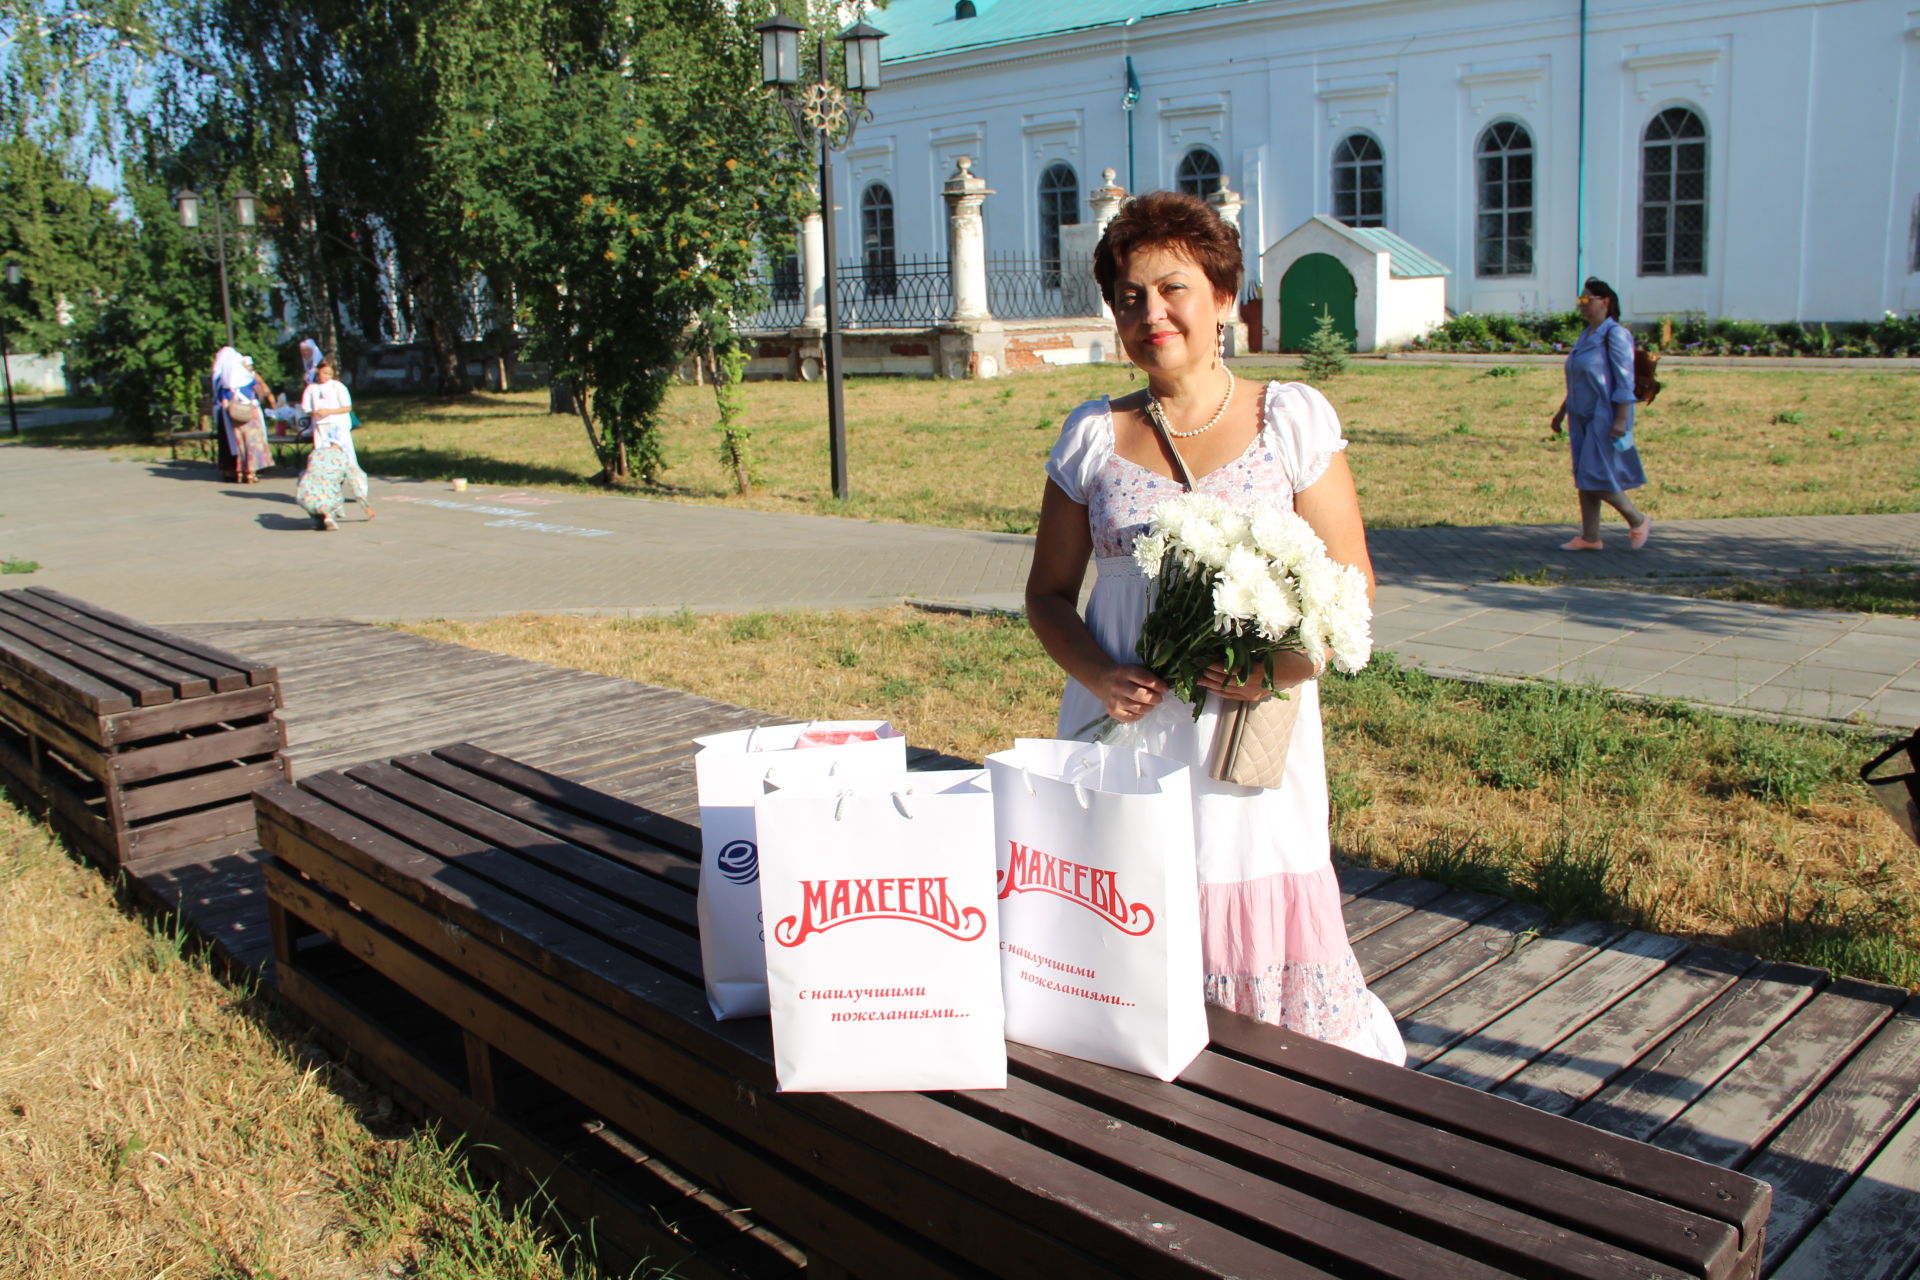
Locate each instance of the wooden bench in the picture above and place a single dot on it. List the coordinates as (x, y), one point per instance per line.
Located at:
(509, 945)
(188, 429)
(129, 739)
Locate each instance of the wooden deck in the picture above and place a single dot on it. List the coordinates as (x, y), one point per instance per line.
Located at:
(1776, 1070)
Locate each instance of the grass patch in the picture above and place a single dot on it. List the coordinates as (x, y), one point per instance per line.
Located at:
(1662, 815)
(1426, 441)
(157, 1121)
(14, 564)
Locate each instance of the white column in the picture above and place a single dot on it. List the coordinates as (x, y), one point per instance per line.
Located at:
(967, 243)
(1226, 202)
(813, 270)
(1106, 199)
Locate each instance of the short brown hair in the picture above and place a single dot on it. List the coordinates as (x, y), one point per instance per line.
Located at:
(1170, 220)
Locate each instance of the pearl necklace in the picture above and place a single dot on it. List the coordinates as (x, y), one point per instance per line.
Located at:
(1160, 415)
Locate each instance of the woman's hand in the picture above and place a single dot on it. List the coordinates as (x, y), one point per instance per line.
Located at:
(1289, 669)
(1128, 691)
(1559, 416)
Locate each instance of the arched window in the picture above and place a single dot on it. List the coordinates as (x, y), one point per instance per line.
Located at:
(1199, 173)
(876, 240)
(1503, 233)
(1360, 181)
(1673, 195)
(1059, 203)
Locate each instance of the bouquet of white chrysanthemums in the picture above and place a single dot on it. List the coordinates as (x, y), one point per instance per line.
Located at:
(1236, 589)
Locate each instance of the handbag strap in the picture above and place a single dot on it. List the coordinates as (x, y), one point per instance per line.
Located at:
(1166, 437)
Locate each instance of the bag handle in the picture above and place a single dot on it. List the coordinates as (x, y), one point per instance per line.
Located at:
(1166, 437)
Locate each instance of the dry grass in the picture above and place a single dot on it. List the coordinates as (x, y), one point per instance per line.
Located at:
(1454, 445)
(155, 1121)
(1738, 831)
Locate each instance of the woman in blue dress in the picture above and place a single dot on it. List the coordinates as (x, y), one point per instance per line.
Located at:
(1598, 412)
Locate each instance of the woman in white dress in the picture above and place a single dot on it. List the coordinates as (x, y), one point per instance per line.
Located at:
(1274, 943)
(333, 476)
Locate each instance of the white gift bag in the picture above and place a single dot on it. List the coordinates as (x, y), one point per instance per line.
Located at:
(731, 770)
(1099, 904)
(883, 963)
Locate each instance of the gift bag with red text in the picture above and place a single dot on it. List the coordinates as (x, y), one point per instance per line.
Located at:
(731, 770)
(1099, 904)
(883, 964)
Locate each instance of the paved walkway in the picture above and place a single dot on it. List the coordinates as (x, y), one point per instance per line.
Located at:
(171, 543)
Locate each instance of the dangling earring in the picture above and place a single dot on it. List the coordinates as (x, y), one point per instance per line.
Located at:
(1219, 343)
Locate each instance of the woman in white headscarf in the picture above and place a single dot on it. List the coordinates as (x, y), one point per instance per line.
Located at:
(241, 437)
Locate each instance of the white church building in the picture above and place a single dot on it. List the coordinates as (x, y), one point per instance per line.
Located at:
(1758, 159)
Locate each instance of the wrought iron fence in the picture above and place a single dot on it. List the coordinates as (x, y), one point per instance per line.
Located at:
(781, 307)
(1023, 288)
(903, 293)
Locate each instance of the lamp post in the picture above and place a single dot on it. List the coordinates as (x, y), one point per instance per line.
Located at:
(824, 115)
(188, 202)
(6, 356)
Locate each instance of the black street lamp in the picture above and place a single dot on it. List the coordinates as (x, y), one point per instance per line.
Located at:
(6, 357)
(187, 202)
(824, 114)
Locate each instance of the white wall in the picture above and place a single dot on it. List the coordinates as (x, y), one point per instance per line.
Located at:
(1812, 111)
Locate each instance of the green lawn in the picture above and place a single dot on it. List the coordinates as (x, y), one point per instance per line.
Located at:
(1459, 445)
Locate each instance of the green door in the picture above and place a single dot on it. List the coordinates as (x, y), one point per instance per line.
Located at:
(1314, 284)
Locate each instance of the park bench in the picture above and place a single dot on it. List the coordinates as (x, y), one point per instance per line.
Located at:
(198, 431)
(519, 953)
(132, 740)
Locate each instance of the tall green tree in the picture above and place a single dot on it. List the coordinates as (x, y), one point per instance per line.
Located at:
(65, 238)
(617, 162)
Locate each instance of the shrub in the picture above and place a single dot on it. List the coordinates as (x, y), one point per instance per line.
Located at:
(1326, 351)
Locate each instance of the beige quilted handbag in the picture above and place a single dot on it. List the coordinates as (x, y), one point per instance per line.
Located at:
(1250, 742)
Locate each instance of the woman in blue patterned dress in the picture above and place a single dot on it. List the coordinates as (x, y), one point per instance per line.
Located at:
(1598, 411)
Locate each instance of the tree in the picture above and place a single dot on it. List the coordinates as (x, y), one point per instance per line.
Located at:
(66, 240)
(618, 163)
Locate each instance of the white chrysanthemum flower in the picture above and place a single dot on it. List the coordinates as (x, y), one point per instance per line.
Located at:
(1284, 537)
(1149, 549)
(1236, 594)
(1276, 607)
(1207, 541)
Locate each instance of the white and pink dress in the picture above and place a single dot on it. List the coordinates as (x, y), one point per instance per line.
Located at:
(1273, 941)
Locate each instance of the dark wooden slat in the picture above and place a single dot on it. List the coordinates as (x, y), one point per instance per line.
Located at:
(1585, 1062)
(187, 830)
(1253, 1207)
(162, 646)
(543, 889)
(86, 756)
(1460, 1110)
(48, 681)
(1439, 1024)
(220, 708)
(158, 798)
(1504, 1046)
(1769, 1085)
(572, 796)
(673, 865)
(141, 688)
(576, 863)
(1810, 1161)
(1670, 1077)
(1423, 1181)
(1477, 947)
(1419, 931)
(257, 672)
(227, 746)
(184, 684)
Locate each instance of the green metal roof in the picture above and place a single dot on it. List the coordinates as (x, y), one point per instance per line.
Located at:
(928, 28)
(1403, 260)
